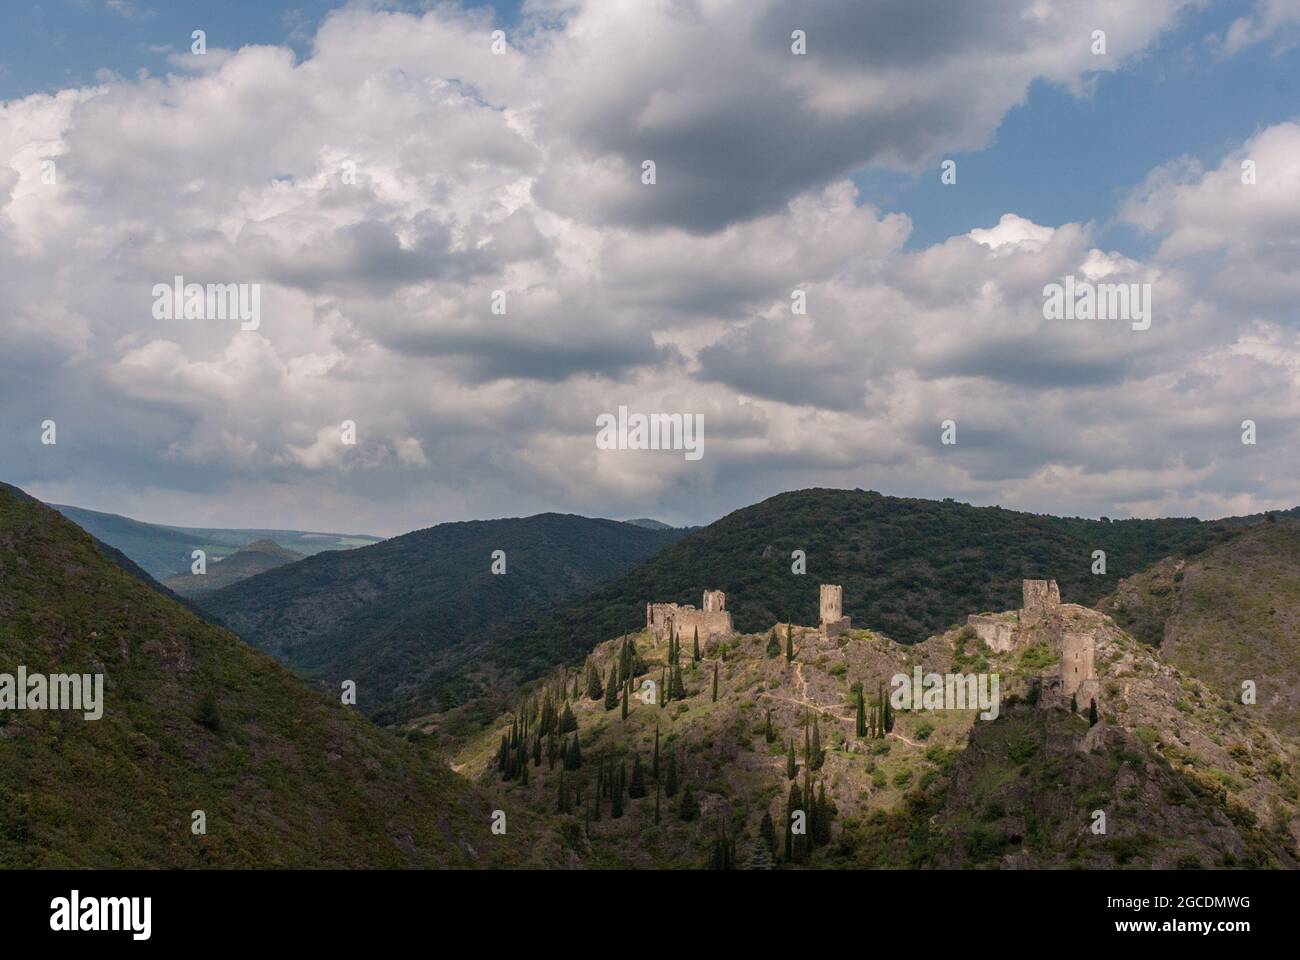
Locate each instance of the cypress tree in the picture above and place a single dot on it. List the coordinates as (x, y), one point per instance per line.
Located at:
(636, 787)
(1092, 713)
(568, 722)
(594, 689)
(773, 644)
(768, 734)
(791, 765)
(817, 755)
(679, 688)
(821, 833)
(1074, 704)
(715, 682)
(611, 688)
(626, 683)
(655, 769)
(789, 644)
(573, 756)
(695, 652)
(861, 719)
(767, 830)
(663, 689)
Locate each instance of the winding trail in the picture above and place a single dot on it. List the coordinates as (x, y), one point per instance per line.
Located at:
(805, 702)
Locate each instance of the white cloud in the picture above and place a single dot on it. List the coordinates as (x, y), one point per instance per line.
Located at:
(476, 173)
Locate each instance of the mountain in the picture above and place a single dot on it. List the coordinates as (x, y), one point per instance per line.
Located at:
(909, 568)
(165, 551)
(421, 622)
(1228, 615)
(649, 524)
(258, 557)
(1181, 777)
(195, 720)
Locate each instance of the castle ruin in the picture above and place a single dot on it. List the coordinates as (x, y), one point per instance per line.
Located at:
(1078, 668)
(1041, 599)
(1041, 618)
(833, 622)
(664, 620)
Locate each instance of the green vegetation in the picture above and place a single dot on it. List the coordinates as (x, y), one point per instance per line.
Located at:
(420, 622)
(193, 720)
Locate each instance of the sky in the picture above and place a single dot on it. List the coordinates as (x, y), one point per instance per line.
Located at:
(384, 178)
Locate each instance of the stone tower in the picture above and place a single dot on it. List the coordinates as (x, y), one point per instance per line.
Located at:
(832, 602)
(1079, 669)
(833, 621)
(1041, 600)
(715, 601)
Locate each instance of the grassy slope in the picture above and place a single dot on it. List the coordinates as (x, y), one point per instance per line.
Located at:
(420, 622)
(289, 778)
(1228, 615)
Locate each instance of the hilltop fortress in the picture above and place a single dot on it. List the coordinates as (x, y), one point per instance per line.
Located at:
(1042, 619)
(664, 620)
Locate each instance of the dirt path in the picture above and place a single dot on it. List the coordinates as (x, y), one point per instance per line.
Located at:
(899, 736)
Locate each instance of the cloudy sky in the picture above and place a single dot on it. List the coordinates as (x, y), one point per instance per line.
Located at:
(379, 171)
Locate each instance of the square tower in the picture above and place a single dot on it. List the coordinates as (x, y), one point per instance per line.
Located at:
(833, 621)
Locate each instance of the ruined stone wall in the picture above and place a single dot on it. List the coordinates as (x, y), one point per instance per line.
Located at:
(710, 623)
(1042, 598)
(659, 618)
(663, 620)
(997, 634)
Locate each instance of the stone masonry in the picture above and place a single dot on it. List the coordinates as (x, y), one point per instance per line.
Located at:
(833, 621)
(1042, 598)
(664, 620)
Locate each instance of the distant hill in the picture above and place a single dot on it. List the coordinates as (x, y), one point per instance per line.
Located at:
(165, 551)
(649, 524)
(909, 568)
(418, 621)
(1228, 615)
(194, 719)
(258, 557)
